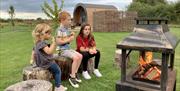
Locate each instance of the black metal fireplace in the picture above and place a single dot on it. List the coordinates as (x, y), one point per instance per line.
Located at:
(150, 36)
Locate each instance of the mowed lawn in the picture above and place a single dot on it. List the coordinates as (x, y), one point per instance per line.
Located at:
(15, 51)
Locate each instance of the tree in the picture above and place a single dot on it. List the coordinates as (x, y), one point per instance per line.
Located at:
(53, 12)
(162, 10)
(11, 12)
(151, 2)
(177, 10)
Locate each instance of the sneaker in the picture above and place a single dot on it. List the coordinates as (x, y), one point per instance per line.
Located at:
(97, 73)
(78, 78)
(86, 75)
(61, 88)
(73, 82)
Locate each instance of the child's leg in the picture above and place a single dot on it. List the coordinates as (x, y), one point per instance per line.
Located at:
(76, 57)
(54, 68)
(74, 66)
(97, 58)
(85, 59)
(79, 61)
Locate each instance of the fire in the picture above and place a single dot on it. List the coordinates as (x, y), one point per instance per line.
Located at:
(147, 70)
(145, 59)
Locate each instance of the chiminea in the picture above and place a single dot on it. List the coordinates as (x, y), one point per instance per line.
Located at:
(150, 36)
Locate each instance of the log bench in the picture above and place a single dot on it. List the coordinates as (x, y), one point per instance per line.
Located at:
(31, 85)
(34, 72)
(65, 65)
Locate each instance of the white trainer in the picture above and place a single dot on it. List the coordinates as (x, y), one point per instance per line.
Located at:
(86, 75)
(61, 88)
(97, 73)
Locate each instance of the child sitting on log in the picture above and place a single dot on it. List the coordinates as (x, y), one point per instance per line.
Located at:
(87, 47)
(64, 38)
(43, 53)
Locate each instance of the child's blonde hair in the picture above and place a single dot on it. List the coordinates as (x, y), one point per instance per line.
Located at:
(63, 15)
(39, 30)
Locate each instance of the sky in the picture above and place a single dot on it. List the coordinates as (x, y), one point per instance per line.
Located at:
(31, 9)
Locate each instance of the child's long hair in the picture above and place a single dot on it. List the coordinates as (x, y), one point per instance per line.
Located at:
(39, 30)
(90, 36)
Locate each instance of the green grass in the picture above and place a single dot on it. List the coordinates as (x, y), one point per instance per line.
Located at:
(16, 46)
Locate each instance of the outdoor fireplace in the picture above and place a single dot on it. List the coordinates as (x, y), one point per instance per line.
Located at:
(150, 36)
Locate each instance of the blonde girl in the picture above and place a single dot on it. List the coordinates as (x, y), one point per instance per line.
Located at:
(43, 53)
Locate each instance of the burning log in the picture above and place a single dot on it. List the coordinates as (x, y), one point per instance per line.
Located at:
(148, 69)
(153, 74)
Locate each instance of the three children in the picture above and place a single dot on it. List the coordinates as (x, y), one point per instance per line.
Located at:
(86, 47)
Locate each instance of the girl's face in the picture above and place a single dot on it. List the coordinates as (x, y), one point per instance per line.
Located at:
(47, 35)
(86, 31)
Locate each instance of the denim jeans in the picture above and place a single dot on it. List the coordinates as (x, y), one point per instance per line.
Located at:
(56, 71)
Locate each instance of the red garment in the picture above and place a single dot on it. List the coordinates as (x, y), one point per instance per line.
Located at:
(84, 42)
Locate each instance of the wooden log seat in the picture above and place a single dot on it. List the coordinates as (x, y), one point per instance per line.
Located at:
(65, 65)
(31, 85)
(34, 72)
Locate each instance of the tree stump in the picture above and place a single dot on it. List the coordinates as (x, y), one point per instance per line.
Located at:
(31, 85)
(90, 67)
(31, 72)
(65, 64)
(118, 60)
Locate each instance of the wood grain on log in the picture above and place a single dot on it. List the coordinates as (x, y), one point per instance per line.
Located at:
(65, 65)
(31, 85)
(31, 72)
(90, 65)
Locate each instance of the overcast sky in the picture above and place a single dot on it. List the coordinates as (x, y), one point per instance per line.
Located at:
(31, 9)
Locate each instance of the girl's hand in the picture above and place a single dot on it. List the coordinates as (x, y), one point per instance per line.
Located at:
(71, 38)
(72, 33)
(92, 51)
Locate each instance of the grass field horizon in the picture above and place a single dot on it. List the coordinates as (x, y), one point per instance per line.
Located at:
(16, 46)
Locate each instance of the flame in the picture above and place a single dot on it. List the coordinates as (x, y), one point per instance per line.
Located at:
(147, 59)
(144, 60)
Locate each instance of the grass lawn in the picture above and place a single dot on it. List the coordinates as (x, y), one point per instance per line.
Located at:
(16, 46)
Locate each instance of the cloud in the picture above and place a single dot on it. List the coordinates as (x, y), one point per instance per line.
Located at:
(33, 7)
(24, 15)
